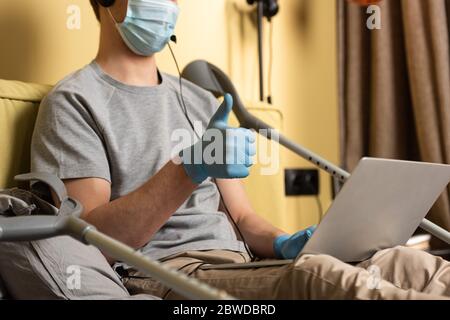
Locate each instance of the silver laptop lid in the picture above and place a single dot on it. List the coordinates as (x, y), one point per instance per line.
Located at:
(379, 207)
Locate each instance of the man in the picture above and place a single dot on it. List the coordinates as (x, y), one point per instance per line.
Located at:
(106, 131)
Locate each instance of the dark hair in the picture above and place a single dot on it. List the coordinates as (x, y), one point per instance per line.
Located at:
(96, 8)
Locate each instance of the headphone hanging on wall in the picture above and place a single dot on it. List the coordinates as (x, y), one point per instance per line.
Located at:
(270, 7)
(106, 3)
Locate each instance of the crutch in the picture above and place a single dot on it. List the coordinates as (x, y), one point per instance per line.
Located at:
(211, 78)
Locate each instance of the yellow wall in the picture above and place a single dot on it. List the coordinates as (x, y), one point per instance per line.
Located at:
(36, 44)
(38, 47)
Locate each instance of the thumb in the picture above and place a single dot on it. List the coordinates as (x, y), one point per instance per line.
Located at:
(223, 113)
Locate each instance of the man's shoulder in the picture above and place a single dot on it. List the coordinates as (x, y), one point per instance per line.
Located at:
(74, 81)
(81, 85)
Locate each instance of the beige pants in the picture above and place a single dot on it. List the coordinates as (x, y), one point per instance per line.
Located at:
(398, 273)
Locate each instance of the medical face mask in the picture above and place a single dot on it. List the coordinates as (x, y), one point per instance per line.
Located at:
(148, 25)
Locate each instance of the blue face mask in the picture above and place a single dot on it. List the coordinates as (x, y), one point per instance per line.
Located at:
(148, 25)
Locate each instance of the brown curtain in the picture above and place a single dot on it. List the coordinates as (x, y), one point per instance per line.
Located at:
(395, 85)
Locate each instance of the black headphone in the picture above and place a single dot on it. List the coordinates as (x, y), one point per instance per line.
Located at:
(270, 7)
(106, 3)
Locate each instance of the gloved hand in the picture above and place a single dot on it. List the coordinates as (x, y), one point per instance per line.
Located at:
(233, 154)
(288, 247)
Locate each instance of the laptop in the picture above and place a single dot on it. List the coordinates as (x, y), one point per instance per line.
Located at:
(379, 207)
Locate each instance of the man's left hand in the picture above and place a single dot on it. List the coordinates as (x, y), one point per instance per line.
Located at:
(288, 247)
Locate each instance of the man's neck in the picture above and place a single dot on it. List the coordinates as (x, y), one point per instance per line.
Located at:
(117, 60)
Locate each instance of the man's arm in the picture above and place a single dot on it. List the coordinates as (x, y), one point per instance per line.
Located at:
(137, 216)
(258, 233)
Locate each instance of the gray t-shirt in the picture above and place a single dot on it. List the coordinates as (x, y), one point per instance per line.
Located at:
(91, 125)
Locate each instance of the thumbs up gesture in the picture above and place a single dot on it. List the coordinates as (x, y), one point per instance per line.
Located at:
(223, 152)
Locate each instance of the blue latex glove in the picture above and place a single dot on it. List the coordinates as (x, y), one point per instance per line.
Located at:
(237, 149)
(288, 247)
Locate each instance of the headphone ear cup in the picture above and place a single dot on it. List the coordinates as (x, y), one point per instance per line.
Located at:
(271, 8)
(106, 3)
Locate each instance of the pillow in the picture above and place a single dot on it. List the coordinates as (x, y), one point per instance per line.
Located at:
(58, 268)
